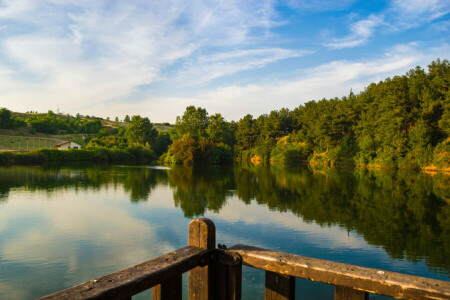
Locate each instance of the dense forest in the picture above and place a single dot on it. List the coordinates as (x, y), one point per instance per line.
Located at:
(401, 122)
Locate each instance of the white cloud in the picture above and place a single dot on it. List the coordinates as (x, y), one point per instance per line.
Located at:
(80, 54)
(206, 68)
(328, 80)
(319, 5)
(411, 13)
(361, 31)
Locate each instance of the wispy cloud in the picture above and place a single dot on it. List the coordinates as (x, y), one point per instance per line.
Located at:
(205, 68)
(328, 80)
(319, 5)
(398, 15)
(360, 33)
(111, 57)
(77, 53)
(412, 13)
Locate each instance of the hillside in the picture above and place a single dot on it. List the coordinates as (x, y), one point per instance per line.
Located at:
(29, 131)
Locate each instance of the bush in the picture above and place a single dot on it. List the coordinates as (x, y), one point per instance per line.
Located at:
(133, 154)
(189, 151)
(221, 154)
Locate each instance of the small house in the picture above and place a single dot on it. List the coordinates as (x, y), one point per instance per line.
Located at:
(67, 145)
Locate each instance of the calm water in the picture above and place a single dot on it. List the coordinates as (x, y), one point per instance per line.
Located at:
(60, 226)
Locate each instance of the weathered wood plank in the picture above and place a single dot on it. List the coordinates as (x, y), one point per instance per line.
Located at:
(346, 293)
(366, 279)
(279, 287)
(131, 281)
(221, 281)
(234, 282)
(202, 234)
(228, 280)
(170, 289)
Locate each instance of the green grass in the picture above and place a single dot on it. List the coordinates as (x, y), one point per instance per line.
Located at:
(26, 143)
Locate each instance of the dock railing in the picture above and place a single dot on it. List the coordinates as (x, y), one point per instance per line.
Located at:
(216, 273)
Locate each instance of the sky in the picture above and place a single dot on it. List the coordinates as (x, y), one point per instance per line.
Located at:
(111, 58)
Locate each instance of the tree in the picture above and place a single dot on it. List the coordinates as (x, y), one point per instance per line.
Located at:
(117, 119)
(127, 119)
(5, 119)
(140, 131)
(162, 143)
(194, 122)
(246, 133)
(219, 130)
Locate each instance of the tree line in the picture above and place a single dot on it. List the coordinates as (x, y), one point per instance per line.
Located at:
(402, 121)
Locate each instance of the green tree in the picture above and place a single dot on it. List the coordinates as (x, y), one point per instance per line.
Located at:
(6, 120)
(162, 143)
(140, 131)
(219, 130)
(127, 119)
(194, 122)
(246, 133)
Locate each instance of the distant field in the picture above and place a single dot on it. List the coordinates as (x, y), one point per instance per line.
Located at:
(163, 128)
(28, 143)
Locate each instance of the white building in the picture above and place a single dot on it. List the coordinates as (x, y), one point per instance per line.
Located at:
(67, 145)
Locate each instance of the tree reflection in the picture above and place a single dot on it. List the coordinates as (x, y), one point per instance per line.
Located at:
(406, 213)
(198, 189)
(138, 182)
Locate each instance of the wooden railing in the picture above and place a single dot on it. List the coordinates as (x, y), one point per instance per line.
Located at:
(217, 274)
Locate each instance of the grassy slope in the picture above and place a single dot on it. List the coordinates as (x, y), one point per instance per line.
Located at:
(23, 139)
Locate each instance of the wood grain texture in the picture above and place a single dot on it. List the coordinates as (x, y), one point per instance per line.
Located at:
(365, 279)
(346, 293)
(170, 289)
(228, 280)
(234, 282)
(131, 281)
(279, 287)
(202, 234)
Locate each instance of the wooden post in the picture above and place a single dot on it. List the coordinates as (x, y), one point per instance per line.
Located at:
(234, 282)
(169, 290)
(228, 282)
(202, 234)
(347, 293)
(279, 287)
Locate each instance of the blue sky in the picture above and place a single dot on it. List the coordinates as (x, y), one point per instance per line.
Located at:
(154, 58)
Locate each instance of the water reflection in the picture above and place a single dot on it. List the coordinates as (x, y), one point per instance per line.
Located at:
(77, 213)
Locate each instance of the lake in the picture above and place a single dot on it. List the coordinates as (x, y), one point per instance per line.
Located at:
(63, 225)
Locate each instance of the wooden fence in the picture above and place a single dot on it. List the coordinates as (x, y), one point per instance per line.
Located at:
(216, 273)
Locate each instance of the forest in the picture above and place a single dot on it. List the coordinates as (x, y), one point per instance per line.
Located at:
(400, 122)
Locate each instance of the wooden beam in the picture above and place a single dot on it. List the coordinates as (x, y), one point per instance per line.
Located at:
(131, 281)
(279, 287)
(202, 234)
(365, 279)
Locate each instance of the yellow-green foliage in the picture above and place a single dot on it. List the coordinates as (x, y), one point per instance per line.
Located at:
(442, 155)
(289, 151)
(189, 151)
